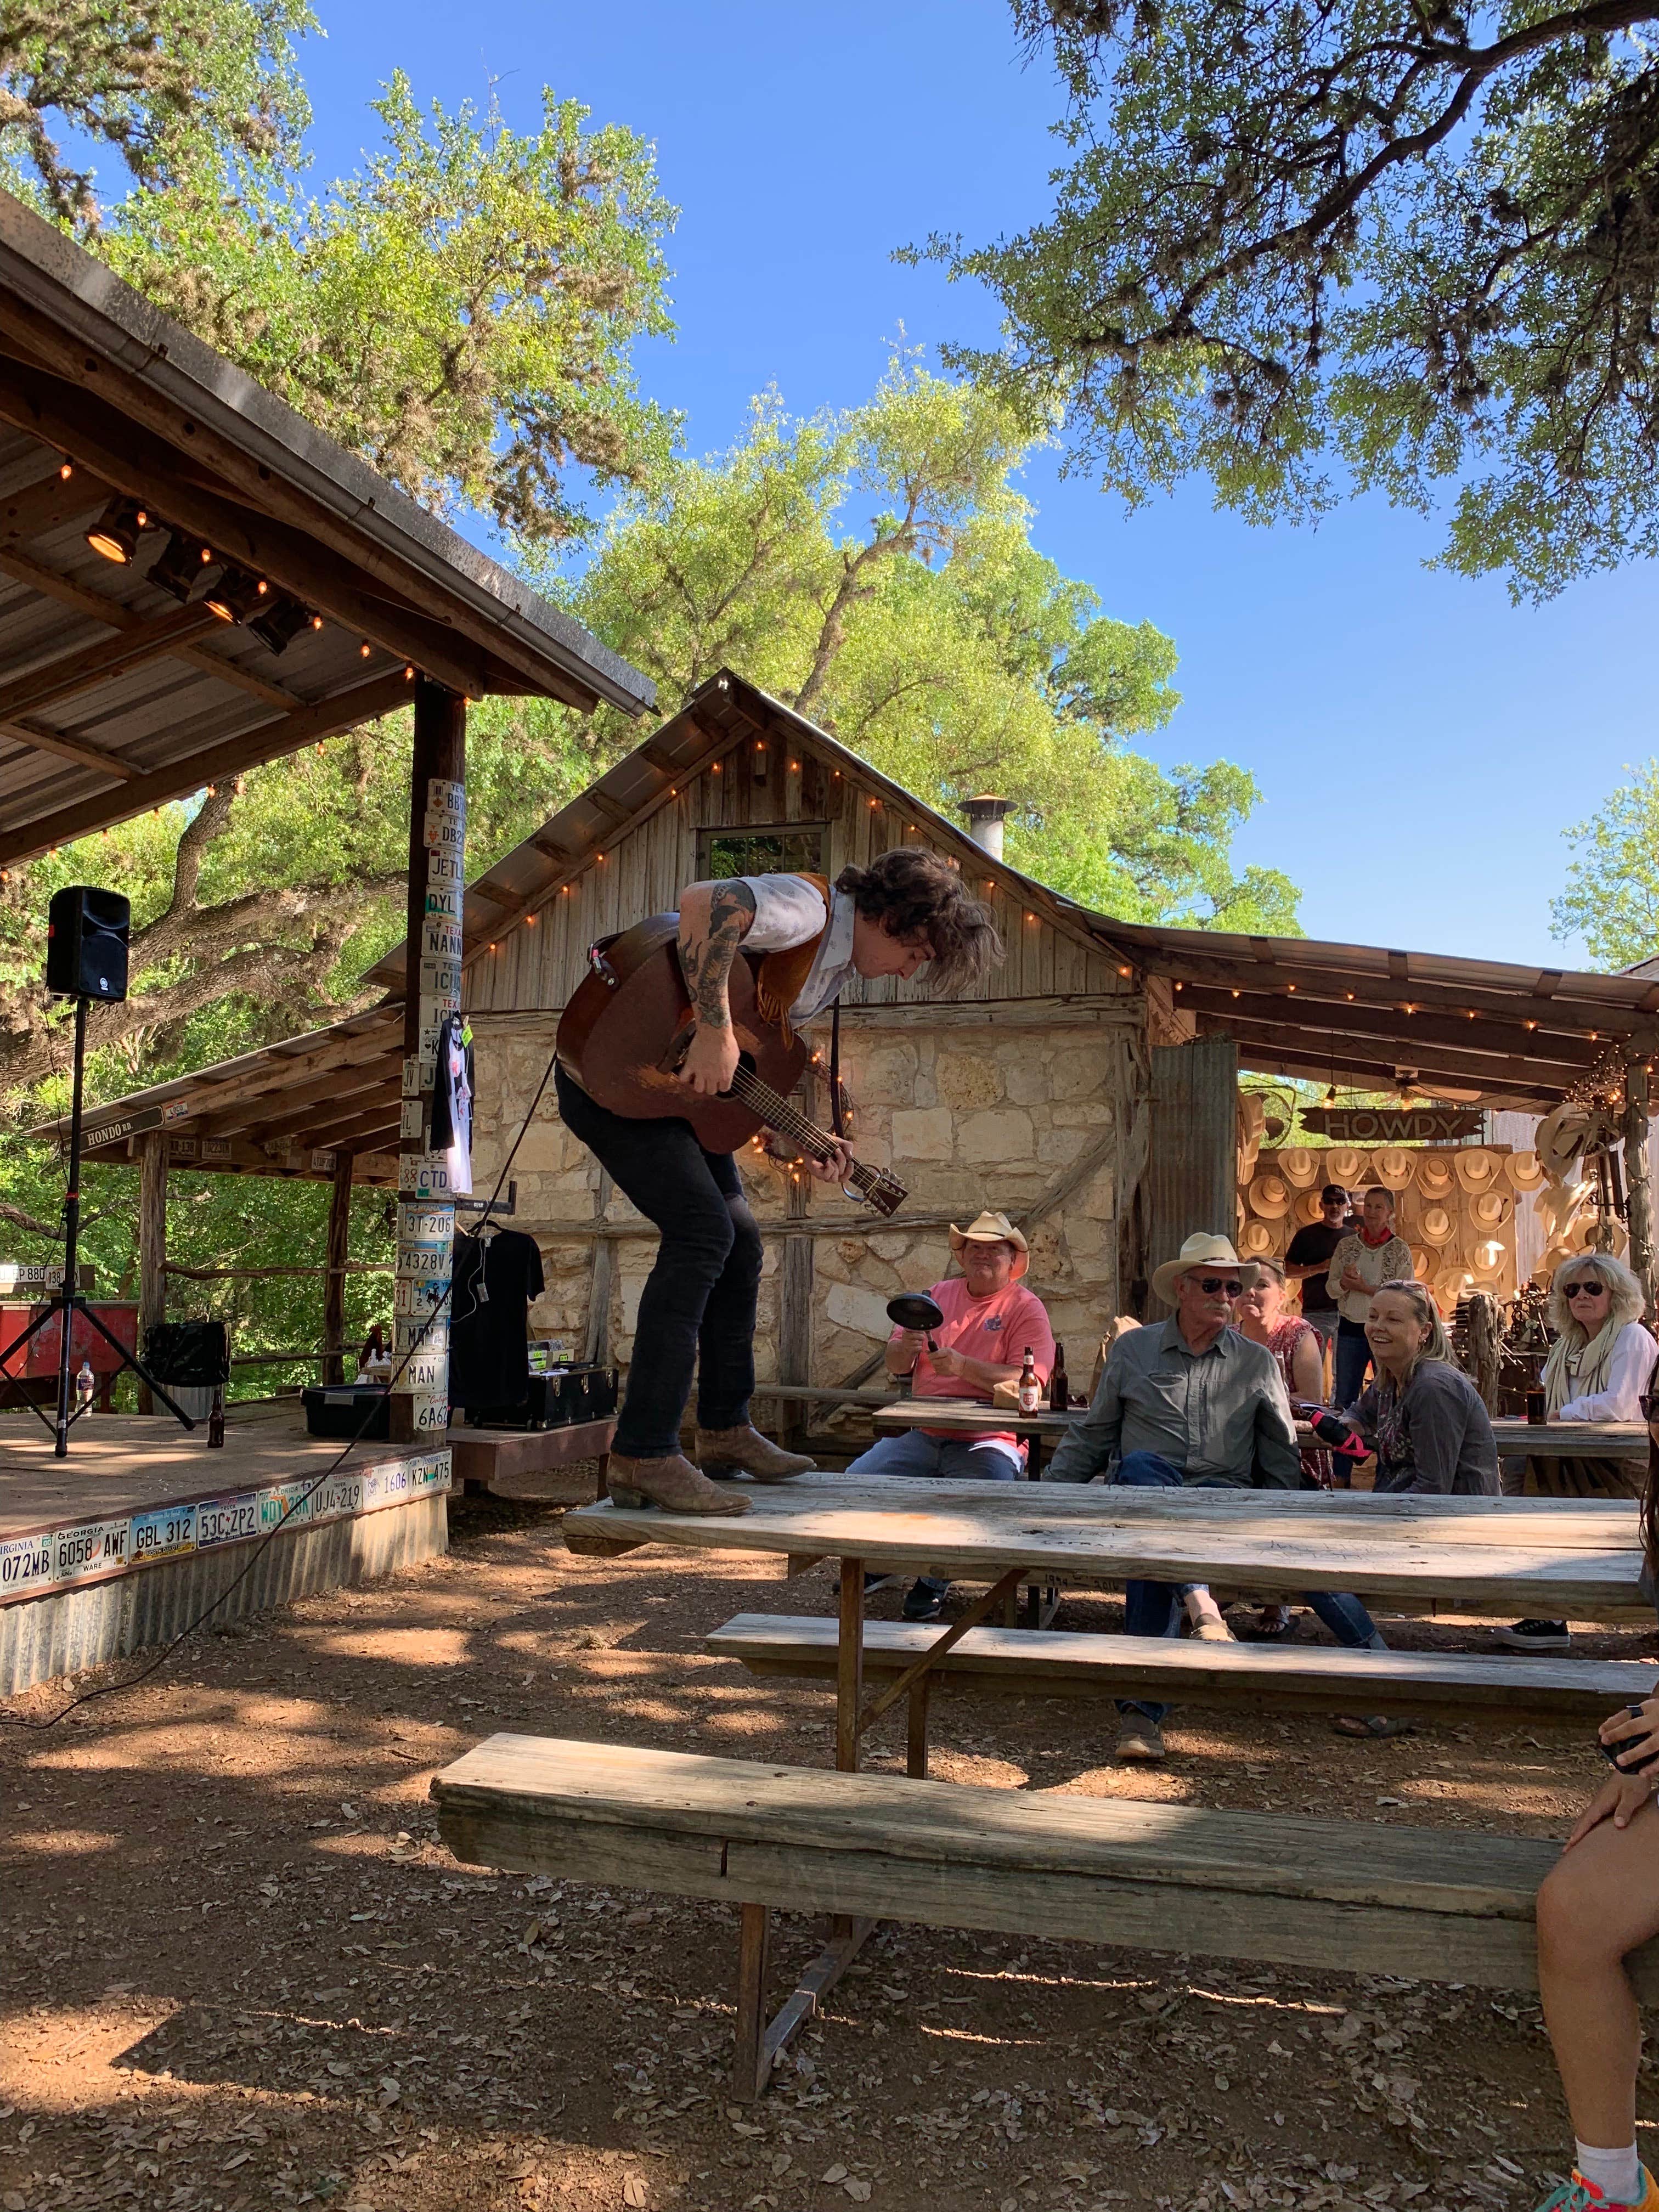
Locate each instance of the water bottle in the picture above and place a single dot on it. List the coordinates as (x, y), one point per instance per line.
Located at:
(86, 1385)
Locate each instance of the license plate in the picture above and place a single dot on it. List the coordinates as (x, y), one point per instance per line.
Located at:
(166, 1533)
(226, 1520)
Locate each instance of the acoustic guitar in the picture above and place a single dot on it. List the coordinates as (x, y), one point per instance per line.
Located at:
(627, 1028)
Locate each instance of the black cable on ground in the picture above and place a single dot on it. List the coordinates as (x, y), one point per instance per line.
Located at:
(131, 1681)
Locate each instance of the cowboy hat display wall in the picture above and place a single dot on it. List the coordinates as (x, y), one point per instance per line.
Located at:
(1205, 1251)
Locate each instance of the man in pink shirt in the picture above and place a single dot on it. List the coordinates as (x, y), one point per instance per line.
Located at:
(989, 1324)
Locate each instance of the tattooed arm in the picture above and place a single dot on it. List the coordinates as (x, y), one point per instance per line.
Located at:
(714, 919)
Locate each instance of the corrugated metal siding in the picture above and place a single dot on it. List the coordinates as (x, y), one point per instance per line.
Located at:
(42, 1638)
(1192, 1170)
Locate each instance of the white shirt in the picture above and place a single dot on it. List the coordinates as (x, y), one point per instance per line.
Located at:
(1634, 1357)
(788, 911)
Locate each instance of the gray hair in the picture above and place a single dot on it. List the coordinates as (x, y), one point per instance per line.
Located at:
(1436, 1344)
(1625, 1300)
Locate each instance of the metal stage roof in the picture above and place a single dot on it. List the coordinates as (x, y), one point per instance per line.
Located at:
(115, 695)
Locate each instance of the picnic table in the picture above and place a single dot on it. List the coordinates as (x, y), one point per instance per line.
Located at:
(1512, 1558)
(1516, 1438)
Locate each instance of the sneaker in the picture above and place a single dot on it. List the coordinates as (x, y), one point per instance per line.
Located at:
(874, 1581)
(1140, 1742)
(1581, 2195)
(925, 1601)
(1536, 1635)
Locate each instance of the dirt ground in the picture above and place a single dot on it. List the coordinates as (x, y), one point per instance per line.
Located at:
(240, 1972)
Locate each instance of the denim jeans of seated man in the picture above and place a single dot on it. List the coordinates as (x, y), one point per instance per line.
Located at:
(1155, 1609)
(946, 1459)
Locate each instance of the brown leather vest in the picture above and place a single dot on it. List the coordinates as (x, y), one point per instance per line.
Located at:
(783, 974)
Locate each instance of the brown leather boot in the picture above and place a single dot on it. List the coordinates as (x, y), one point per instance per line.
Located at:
(746, 1451)
(672, 1483)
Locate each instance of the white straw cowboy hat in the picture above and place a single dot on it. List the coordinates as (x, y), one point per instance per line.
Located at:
(1298, 1166)
(1477, 1169)
(993, 1229)
(1392, 1167)
(1343, 1165)
(1491, 1210)
(1202, 1251)
(1426, 1264)
(1435, 1225)
(1307, 1209)
(1257, 1240)
(1524, 1170)
(1488, 1256)
(1270, 1197)
(1560, 1138)
(1435, 1178)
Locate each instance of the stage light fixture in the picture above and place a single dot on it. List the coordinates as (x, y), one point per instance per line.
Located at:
(236, 595)
(118, 530)
(279, 623)
(177, 568)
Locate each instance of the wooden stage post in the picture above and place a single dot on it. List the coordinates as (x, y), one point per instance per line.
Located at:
(432, 988)
(152, 1245)
(338, 1248)
(1636, 1185)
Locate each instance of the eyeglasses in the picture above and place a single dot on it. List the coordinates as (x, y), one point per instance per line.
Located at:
(1210, 1284)
(1586, 1289)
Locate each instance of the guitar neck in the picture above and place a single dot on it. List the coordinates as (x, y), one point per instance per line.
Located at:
(778, 1113)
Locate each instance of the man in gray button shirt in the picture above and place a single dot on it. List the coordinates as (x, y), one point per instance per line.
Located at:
(1189, 1403)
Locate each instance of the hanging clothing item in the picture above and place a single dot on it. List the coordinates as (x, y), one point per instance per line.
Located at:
(495, 1278)
(451, 1103)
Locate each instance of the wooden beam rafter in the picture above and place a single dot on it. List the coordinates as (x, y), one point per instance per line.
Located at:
(267, 740)
(1306, 1021)
(1374, 1065)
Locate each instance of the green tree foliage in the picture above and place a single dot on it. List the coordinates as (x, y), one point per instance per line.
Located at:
(935, 639)
(1412, 243)
(462, 313)
(1611, 897)
(163, 84)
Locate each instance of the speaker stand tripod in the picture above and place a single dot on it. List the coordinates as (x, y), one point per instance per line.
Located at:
(69, 1302)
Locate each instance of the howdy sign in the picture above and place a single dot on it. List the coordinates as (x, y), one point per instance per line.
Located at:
(1404, 1125)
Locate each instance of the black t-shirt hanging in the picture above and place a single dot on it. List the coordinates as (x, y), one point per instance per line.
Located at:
(489, 1348)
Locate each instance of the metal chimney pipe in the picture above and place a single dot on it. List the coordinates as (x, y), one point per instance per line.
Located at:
(985, 815)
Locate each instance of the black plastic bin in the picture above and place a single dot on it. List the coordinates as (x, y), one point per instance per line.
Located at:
(554, 1402)
(336, 1409)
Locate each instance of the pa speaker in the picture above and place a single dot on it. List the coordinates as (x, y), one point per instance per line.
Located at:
(87, 932)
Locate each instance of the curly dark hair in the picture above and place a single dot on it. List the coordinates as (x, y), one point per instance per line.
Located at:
(912, 893)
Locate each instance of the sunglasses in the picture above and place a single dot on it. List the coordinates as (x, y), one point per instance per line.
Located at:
(1210, 1285)
(1585, 1290)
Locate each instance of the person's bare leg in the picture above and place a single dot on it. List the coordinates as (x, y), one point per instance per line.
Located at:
(1600, 1901)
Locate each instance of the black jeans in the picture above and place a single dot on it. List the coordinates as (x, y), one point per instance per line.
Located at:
(698, 1305)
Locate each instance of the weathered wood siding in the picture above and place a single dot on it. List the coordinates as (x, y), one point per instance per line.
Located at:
(537, 961)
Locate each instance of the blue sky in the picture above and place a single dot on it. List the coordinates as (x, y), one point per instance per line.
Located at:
(1420, 742)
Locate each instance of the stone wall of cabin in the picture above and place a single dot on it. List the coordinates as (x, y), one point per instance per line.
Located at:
(968, 1115)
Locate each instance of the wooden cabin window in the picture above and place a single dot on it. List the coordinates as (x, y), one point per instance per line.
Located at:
(789, 849)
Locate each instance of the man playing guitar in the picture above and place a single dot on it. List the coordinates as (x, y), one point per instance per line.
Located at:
(907, 909)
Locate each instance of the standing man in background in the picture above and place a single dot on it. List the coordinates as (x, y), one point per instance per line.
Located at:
(1308, 1262)
(1372, 1254)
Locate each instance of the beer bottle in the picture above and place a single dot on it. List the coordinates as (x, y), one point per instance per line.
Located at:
(1030, 1390)
(1060, 1388)
(217, 1422)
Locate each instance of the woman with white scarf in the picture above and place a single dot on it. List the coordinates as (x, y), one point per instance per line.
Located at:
(1601, 1361)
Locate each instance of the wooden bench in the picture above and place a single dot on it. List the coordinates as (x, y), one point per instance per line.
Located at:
(1355, 1897)
(1308, 1678)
